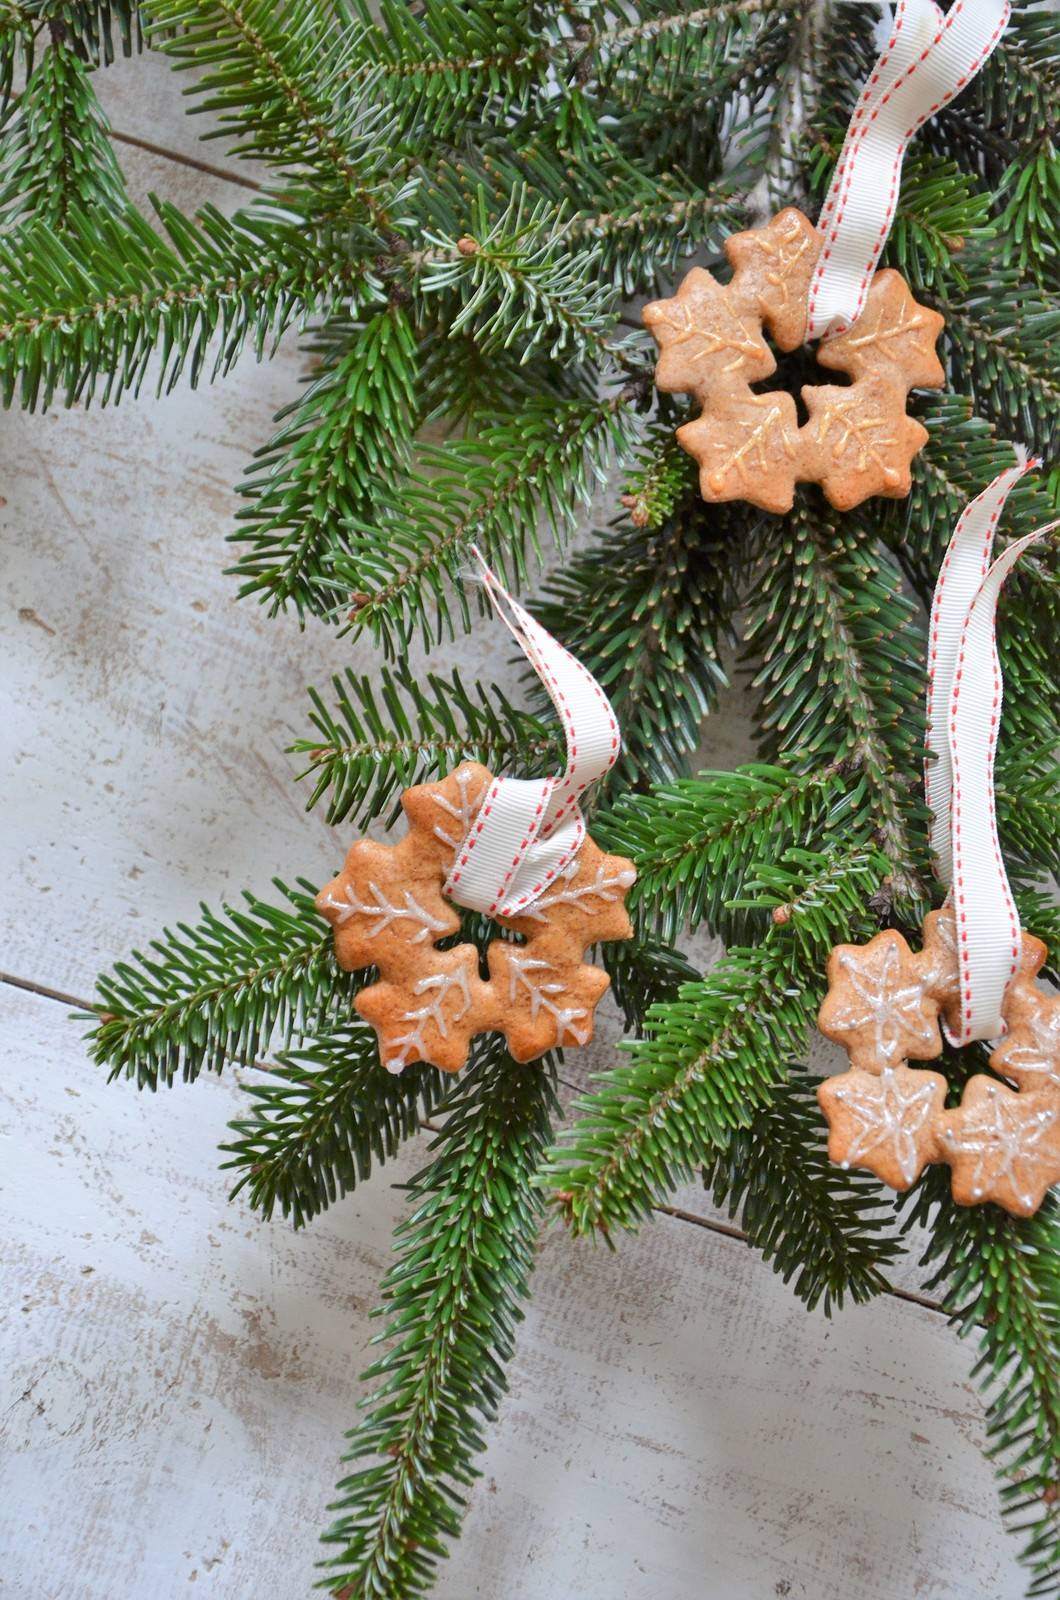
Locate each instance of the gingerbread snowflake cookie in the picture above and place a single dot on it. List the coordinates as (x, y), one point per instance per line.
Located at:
(884, 1122)
(879, 1005)
(1003, 1145)
(883, 1005)
(388, 911)
(858, 440)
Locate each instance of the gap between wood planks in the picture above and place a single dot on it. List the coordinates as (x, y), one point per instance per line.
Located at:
(724, 1230)
(208, 167)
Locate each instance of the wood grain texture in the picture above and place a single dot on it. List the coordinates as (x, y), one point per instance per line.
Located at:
(176, 1374)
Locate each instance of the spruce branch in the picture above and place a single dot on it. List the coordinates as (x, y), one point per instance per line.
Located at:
(823, 1230)
(1026, 789)
(97, 27)
(450, 62)
(90, 28)
(320, 1120)
(84, 313)
(514, 280)
(1028, 224)
(695, 841)
(497, 55)
(644, 971)
(721, 43)
(643, 238)
(1000, 336)
(55, 153)
(227, 989)
(1017, 94)
(344, 437)
(275, 81)
(713, 1057)
(941, 216)
(662, 481)
(18, 31)
(395, 729)
(841, 675)
(494, 490)
(451, 1302)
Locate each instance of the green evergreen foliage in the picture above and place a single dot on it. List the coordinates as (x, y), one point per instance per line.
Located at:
(451, 1303)
(696, 841)
(82, 313)
(334, 447)
(459, 246)
(321, 1118)
(465, 201)
(826, 1229)
(386, 735)
(713, 1056)
(55, 156)
(221, 991)
(841, 676)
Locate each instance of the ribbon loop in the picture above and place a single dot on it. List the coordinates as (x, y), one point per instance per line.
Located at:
(965, 692)
(928, 59)
(528, 830)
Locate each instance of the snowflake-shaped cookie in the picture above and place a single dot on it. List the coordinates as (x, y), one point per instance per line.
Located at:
(388, 911)
(1029, 1054)
(1001, 1146)
(878, 1006)
(884, 1122)
(859, 440)
(883, 1004)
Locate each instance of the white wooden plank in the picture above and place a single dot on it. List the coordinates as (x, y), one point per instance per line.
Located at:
(176, 1375)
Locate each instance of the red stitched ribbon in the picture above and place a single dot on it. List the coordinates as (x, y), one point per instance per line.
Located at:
(528, 829)
(928, 59)
(964, 716)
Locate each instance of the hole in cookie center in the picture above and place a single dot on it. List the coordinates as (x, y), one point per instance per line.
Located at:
(795, 368)
(479, 931)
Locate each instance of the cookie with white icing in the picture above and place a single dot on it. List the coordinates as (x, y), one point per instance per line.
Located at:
(884, 1122)
(388, 910)
(858, 439)
(883, 1005)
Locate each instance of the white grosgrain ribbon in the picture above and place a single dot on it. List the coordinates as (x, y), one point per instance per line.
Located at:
(928, 59)
(528, 829)
(964, 716)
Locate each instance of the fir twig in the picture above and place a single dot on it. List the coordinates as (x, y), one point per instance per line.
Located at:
(224, 990)
(712, 1057)
(397, 729)
(823, 1230)
(493, 490)
(320, 1120)
(451, 1301)
(84, 314)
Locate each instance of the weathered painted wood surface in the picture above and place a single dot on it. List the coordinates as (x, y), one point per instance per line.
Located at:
(175, 1374)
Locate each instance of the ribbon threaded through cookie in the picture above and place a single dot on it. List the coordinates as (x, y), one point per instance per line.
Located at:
(514, 849)
(975, 975)
(527, 830)
(965, 691)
